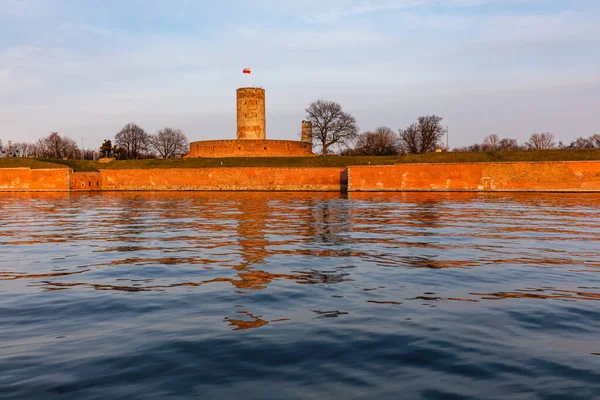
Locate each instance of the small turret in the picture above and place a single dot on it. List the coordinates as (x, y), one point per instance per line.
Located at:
(306, 132)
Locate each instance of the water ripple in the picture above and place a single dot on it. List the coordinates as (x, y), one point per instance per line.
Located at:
(319, 295)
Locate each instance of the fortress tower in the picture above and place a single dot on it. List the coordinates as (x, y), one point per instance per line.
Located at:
(251, 138)
(251, 121)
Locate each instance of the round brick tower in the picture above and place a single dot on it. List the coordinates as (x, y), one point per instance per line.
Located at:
(251, 121)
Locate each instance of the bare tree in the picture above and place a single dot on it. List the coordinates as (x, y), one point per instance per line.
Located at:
(383, 141)
(331, 125)
(57, 146)
(24, 149)
(583, 143)
(508, 145)
(132, 141)
(540, 141)
(169, 143)
(491, 142)
(596, 139)
(423, 136)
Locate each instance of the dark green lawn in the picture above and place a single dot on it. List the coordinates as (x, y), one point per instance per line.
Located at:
(309, 162)
(29, 163)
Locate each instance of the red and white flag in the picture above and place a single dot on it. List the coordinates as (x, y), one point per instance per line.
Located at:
(247, 71)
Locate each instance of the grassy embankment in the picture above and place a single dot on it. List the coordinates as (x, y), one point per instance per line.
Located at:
(308, 162)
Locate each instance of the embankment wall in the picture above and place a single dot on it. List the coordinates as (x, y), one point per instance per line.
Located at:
(568, 176)
(259, 179)
(86, 181)
(34, 180)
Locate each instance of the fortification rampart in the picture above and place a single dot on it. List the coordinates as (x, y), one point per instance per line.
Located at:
(229, 179)
(86, 181)
(567, 176)
(249, 148)
(34, 180)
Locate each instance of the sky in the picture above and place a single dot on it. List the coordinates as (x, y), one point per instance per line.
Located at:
(85, 68)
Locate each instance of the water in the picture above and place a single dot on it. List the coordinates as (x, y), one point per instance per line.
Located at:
(299, 295)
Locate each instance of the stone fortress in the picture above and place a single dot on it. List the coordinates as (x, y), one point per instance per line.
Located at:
(252, 134)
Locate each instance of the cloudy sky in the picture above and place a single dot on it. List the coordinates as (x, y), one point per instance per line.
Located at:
(85, 68)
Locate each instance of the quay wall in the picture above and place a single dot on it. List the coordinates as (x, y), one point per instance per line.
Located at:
(34, 180)
(86, 181)
(567, 176)
(215, 179)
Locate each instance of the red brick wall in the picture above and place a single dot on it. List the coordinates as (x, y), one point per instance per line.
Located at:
(25, 179)
(86, 181)
(249, 148)
(548, 176)
(521, 176)
(267, 179)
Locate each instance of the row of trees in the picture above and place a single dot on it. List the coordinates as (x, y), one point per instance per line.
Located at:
(51, 146)
(537, 141)
(334, 128)
(131, 142)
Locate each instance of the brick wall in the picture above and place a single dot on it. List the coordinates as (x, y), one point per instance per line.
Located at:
(521, 176)
(259, 179)
(86, 181)
(32, 180)
(571, 176)
(249, 148)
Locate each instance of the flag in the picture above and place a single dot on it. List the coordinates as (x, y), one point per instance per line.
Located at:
(247, 71)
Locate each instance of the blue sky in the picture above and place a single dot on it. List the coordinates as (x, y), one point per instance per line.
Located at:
(510, 67)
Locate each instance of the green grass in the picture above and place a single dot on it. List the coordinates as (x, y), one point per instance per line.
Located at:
(28, 163)
(309, 162)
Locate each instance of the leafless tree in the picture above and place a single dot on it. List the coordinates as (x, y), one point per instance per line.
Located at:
(57, 146)
(169, 143)
(508, 145)
(423, 136)
(583, 143)
(132, 141)
(540, 141)
(331, 125)
(24, 149)
(596, 139)
(491, 142)
(383, 141)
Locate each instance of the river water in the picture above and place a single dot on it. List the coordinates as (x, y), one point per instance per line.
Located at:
(299, 295)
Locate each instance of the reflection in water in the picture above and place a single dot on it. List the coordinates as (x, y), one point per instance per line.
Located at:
(236, 233)
(491, 271)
